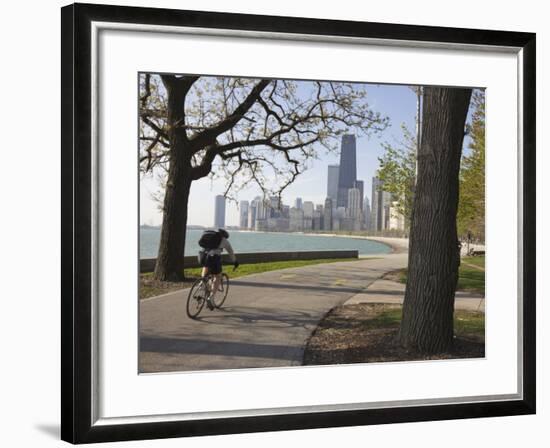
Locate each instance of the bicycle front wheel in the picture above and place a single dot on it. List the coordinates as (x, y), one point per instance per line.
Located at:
(196, 298)
(223, 289)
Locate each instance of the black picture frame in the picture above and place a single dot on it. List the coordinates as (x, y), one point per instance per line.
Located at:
(76, 218)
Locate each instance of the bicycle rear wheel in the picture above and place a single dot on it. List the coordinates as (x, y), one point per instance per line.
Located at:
(223, 289)
(196, 298)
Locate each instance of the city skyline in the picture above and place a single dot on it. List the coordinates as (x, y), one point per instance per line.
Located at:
(345, 206)
(397, 102)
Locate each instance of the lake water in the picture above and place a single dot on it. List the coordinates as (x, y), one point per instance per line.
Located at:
(265, 242)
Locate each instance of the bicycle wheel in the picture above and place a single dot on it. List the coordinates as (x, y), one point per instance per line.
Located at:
(223, 289)
(197, 298)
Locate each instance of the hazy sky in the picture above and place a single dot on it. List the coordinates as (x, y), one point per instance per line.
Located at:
(396, 102)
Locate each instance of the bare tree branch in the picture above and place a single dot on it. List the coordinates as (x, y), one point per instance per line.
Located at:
(208, 136)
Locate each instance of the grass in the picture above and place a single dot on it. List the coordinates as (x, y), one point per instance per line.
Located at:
(477, 261)
(466, 323)
(148, 287)
(469, 278)
(257, 268)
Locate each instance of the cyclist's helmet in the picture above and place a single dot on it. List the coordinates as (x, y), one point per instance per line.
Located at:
(223, 233)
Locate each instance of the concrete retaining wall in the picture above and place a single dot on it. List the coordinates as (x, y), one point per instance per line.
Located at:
(148, 264)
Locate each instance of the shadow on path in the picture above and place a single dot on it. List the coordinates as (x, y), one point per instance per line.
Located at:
(235, 315)
(206, 347)
(298, 287)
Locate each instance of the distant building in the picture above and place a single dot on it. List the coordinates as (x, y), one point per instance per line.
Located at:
(243, 214)
(219, 211)
(274, 207)
(380, 207)
(354, 209)
(308, 208)
(347, 224)
(327, 221)
(298, 203)
(359, 184)
(366, 213)
(375, 222)
(296, 220)
(332, 182)
(338, 217)
(317, 221)
(252, 212)
(277, 224)
(262, 210)
(285, 211)
(354, 203)
(386, 200)
(347, 174)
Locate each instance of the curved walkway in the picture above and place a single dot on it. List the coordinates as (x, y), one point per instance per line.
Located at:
(265, 322)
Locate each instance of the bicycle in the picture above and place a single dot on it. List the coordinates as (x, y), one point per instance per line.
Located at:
(200, 291)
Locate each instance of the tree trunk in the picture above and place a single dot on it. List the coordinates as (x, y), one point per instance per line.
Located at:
(434, 254)
(169, 265)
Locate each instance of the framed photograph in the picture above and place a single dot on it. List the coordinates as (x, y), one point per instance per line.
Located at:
(276, 223)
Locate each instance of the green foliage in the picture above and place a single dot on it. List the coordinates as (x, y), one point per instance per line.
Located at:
(398, 172)
(471, 207)
(466, 323)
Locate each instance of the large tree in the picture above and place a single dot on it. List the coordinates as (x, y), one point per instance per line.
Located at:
(471, 207)
(259, 130)
(434, 255)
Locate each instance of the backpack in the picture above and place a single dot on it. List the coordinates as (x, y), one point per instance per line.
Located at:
(201, 257)
(210, 239)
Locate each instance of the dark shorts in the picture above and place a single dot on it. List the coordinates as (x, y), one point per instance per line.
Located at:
(214, 264)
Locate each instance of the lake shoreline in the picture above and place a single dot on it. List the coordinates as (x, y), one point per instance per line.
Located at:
(246, 241)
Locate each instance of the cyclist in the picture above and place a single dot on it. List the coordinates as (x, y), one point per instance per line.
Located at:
(214, 243)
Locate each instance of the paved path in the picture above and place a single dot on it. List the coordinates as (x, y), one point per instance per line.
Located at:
(387, 291)
(266, 320)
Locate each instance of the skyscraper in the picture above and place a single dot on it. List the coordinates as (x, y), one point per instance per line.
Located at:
(332, 183)
(367, 213)
(347, 174)
(361, 186)
(252, 211)
(308, 208)
(376, 217)
(380, 208)
(354, 203)
(298, 203)
(262, 210)
(219, 211)
(296, 219)
(274, 207)
(327, 220)
(243, 214)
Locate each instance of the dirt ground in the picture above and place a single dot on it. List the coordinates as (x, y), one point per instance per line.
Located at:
(364, 333)
(149, 287)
